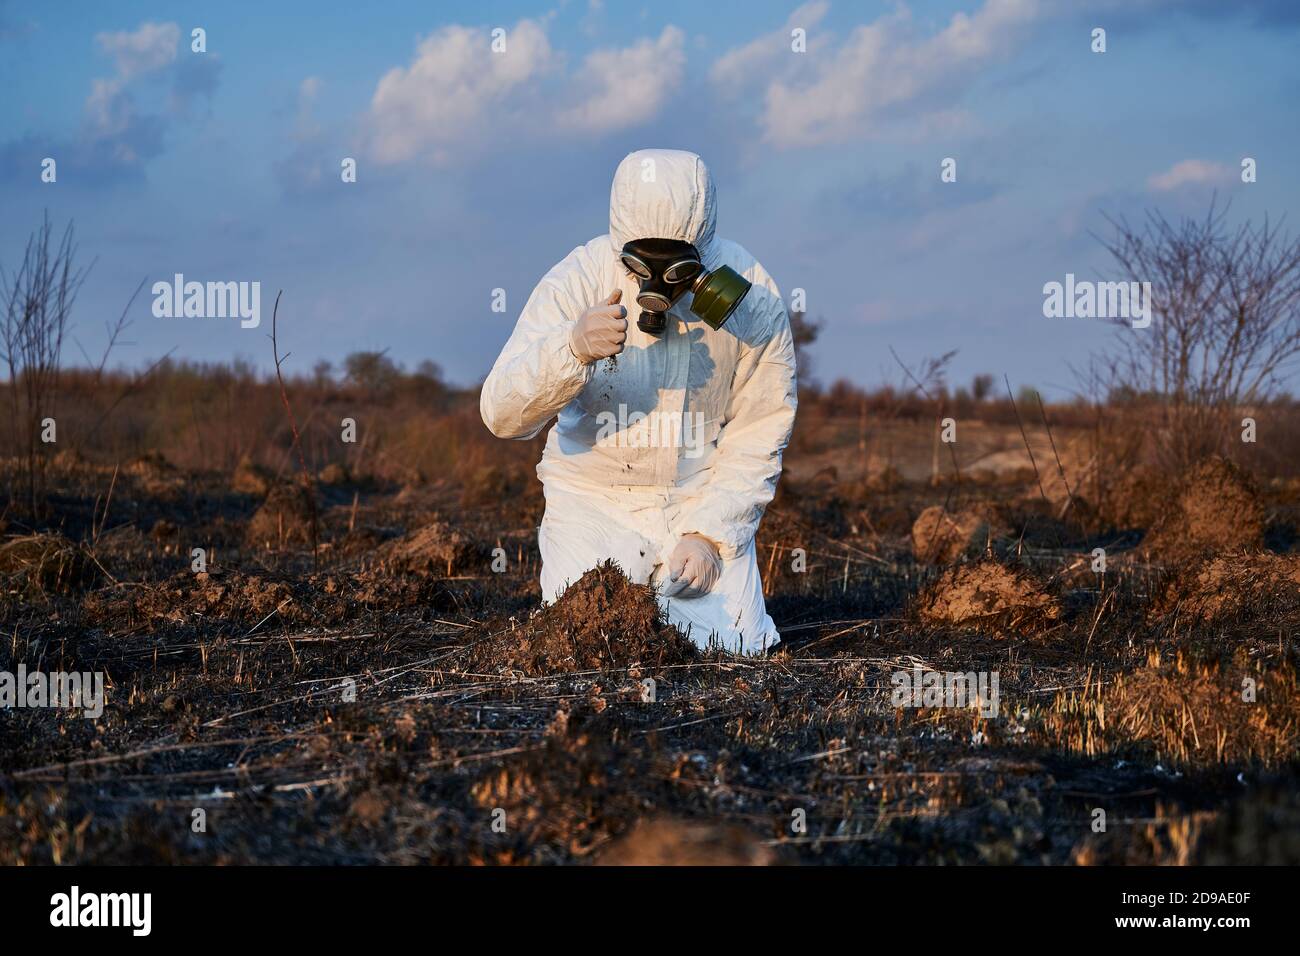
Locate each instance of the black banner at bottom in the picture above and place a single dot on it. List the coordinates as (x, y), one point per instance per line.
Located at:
(338, 905)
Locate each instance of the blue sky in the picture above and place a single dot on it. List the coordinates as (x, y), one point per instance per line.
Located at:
(479, 171)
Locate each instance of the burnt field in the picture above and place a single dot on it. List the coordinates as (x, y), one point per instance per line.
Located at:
(388, 689)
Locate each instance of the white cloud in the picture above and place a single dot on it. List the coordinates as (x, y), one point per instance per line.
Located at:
(117, 138)
(1190, 172)
(624, 87)
(149, 47)
(737, 68)
(457, 93)
(306, 126)
(452, 88)
(837, 93)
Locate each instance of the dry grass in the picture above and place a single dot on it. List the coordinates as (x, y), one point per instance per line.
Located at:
(35, 565)
(1238, 589)
(1181, 712)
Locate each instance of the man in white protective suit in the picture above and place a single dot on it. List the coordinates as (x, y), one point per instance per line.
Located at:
(671, 428)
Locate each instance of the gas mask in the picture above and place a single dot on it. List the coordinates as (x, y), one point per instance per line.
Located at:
(669, 268)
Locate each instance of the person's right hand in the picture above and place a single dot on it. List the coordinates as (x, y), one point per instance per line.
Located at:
(600, 331)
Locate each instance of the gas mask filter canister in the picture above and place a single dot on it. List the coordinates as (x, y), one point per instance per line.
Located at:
(667, 269)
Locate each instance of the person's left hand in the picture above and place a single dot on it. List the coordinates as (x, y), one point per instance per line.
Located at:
(694, 567)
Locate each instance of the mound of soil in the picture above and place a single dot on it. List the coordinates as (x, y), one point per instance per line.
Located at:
(1234, 587)
(1135, 497)
(941, 537)
(285, 518)
(672, 842)
(602, 621)
(1217, 508)
(36, 564)
(251, 479)
(436, 549)
(334, 474)
(155, 475)
(988, 595)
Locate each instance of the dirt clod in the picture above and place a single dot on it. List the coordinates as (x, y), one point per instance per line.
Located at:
(602, 621)
(434, 550)
(941, 537)
(1215, 509)
(284, 519)
(988, 595)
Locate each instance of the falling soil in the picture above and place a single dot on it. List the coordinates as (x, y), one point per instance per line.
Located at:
(1215, 509)
(988, 595)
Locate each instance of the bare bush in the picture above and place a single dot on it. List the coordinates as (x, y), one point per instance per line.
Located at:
(1225, 306)
(37, 300)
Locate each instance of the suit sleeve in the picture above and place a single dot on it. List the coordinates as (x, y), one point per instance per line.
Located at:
(759, 420)
(537, 374)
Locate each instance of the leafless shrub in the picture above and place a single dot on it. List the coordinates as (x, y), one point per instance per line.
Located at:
(1225, 305)
(37, 299)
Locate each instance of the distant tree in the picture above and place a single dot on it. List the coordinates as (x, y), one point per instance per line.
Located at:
(981, 387)
(429, 370)
(804, 331)
(372, 371)
(322, 373)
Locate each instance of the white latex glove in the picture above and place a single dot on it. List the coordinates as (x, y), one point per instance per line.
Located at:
(600, 331)
(694, 567)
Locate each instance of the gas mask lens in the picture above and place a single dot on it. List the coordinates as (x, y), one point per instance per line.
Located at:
(683, 271)
(666, 270)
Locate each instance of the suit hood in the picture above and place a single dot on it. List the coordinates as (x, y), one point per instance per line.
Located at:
(664, 194)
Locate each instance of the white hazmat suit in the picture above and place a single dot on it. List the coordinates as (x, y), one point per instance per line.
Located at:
(678, 434)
